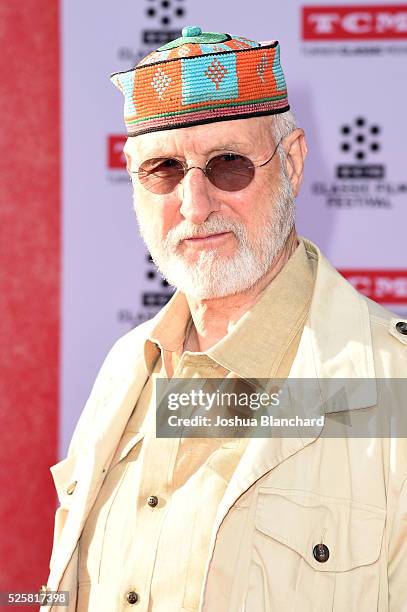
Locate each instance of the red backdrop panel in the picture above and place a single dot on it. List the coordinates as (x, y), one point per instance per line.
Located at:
(29, 287)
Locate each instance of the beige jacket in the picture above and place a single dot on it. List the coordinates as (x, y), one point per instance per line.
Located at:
(287, 495)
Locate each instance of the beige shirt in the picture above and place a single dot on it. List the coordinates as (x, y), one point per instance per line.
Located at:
(160, 552)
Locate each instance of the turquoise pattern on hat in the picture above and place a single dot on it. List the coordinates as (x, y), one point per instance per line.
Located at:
(209, 77)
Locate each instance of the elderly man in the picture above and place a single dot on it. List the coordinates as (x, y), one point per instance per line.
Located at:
(301, 523)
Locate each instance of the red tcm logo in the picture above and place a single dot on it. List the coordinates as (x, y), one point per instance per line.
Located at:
(115, 155)
(383, 286)
(359, 22)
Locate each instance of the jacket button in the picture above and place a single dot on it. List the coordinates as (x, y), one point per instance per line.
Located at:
(132, 597)
(401, 327)
(71, 487)
(321, 553)
(152, 501)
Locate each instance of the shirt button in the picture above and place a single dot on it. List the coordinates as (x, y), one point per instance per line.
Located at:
(132, 597)
(401, 327)
(152, 501)
(321, 553)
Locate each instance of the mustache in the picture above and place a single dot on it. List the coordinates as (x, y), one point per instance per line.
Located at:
(215, 225)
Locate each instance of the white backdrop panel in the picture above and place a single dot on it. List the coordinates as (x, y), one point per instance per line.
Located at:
(108, 284)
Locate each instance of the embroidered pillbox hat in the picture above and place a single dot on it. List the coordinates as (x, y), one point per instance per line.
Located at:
(202, 77)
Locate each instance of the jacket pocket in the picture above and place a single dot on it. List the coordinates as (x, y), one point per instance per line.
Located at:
(314, 552)
(110, 521)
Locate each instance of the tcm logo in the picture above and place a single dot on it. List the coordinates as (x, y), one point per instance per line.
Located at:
(360, 142)
(354, 22)
(383, 286)
(115, 156)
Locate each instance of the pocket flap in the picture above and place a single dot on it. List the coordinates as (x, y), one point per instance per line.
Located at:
(352, 531)
(128, 441)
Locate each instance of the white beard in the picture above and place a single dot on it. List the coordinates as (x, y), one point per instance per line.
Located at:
(211, 276)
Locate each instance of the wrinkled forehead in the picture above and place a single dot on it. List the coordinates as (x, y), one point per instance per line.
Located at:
(243, 135)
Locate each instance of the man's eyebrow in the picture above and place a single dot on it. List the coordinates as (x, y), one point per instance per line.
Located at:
(228, 146)
(235, 146)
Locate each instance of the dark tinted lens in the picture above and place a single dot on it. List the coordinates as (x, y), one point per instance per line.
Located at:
(230, 172)
(161, 175)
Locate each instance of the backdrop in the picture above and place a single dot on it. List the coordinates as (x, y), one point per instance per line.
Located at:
(86, 278)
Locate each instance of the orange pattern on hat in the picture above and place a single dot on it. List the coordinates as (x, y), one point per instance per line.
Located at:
(255, 74)
(161, 87)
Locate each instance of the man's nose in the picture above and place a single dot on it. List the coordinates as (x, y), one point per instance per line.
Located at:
(197, 201)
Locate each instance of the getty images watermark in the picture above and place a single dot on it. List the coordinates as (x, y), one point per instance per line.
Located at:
(232, 407)
(221, 401)
(311, 407)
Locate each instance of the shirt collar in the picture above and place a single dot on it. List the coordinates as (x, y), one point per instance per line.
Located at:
(261, 336)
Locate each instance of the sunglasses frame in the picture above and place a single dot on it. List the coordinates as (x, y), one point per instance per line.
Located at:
(204, 170)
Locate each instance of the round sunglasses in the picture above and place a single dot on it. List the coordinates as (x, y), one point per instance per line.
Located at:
(228, 172)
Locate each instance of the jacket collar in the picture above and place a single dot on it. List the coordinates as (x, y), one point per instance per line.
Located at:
(336, 346)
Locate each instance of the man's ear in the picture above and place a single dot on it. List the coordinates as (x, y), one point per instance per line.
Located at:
(296, 150)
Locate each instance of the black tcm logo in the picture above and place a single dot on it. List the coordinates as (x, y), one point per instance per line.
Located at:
(155, 299)
(360, 143)
(166, 14)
